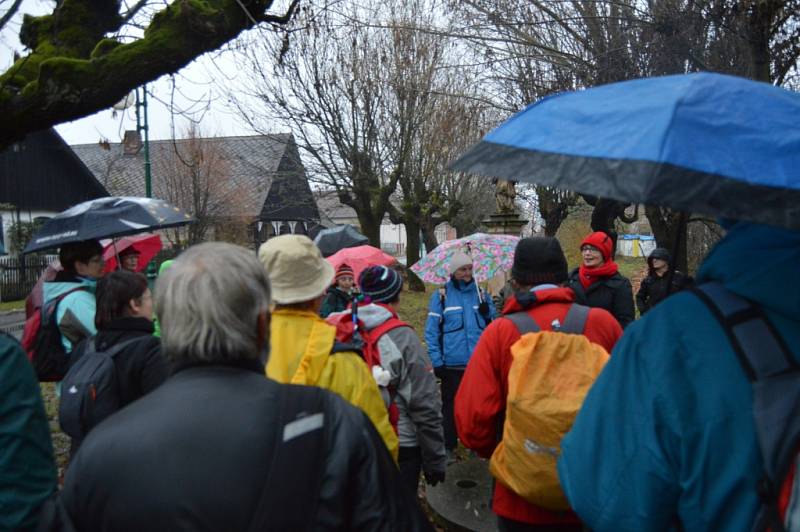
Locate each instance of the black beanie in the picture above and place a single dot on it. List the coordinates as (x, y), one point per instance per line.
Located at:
(660, 253)
(539, 260)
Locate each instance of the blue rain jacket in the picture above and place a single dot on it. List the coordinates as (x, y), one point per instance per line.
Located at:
(453, 329)
(667, 430)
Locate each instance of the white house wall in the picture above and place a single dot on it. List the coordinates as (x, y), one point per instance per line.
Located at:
(10, 217)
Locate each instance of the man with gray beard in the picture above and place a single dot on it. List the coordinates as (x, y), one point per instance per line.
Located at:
(220, 447)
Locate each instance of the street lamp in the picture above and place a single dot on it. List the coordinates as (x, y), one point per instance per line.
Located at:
(142, 126)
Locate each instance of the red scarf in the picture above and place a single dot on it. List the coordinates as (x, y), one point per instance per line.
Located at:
(589, 276)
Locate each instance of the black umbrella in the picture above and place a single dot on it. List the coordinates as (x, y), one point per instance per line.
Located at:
(106, 218)
(329, 241)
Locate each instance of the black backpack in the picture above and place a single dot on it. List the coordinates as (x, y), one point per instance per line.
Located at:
(41, 339)
(89, 390)
(775, 379)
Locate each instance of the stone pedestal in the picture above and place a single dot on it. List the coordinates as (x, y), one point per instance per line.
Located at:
(503, 224)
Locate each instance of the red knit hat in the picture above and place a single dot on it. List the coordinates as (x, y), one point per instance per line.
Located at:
(343, 271)
(602, 242)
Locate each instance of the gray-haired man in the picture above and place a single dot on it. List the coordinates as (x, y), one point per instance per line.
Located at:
(220, 447)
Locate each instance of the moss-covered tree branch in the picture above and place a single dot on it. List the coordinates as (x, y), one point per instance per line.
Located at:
(75, 70)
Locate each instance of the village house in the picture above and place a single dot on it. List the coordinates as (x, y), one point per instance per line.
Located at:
(40, 176)
(245, 189)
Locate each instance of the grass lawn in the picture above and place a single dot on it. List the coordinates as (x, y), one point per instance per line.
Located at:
(414, 308)
(60, 440)
(12, 305)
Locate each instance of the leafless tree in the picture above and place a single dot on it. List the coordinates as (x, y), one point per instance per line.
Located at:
(369, 94)
(326, 79)
(195, 176)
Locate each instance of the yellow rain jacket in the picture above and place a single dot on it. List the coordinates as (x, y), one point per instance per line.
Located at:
(301, 344)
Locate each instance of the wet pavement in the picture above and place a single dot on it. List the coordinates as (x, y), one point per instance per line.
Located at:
(12, 323)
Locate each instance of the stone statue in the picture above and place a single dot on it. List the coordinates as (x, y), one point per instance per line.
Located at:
(505, 194)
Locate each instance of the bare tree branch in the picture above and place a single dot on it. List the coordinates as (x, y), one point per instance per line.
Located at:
(9, 14)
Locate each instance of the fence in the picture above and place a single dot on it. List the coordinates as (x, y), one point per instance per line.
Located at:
(18, 275)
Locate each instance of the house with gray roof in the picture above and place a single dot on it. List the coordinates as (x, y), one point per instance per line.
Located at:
(40, 177)
(259, 180)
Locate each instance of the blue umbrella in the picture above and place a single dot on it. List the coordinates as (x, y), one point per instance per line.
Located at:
(706, 143)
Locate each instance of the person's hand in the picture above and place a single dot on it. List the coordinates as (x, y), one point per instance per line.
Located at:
(434, 477)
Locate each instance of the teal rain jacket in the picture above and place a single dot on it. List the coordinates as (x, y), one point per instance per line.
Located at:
(75, 312)
(27, 467)
(667, 431)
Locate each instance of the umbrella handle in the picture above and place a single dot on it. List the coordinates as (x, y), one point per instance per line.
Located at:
(477, 288)
(116, 253)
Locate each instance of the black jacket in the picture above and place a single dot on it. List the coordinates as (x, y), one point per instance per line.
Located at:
(194, 454)
(654, 288)
(612, 293)
(140, 366)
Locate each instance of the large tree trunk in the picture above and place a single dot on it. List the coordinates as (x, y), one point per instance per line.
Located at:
(413, 241)
(760, 29)
(603, 216)
(666, 228)
(429, 236)
(370, 228)
(553, 207)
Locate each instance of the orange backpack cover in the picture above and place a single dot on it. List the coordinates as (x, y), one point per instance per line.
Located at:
(550, 375)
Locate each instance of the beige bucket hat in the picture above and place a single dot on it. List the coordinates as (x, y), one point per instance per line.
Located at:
(296, 269)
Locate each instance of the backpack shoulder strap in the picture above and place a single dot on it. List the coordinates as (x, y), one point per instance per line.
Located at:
(115, 349)
(775, 378)
(523, 322)
(761, 350)
(60, 297)
(53, 303)
(386, 326)
(346, 347)
(298, 452)
(575, 320)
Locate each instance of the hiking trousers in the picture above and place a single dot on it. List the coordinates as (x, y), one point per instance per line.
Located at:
(451, 379)
(409, 461)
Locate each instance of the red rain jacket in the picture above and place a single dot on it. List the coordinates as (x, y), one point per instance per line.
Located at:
(481, 399)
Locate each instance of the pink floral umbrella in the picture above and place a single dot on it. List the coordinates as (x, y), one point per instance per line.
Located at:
(490, 254)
